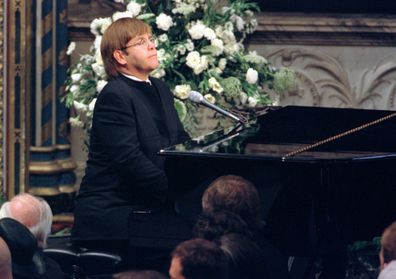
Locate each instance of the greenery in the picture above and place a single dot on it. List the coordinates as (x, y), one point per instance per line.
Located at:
(200, 47)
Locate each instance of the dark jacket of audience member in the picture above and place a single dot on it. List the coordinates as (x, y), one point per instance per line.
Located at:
(245, 259)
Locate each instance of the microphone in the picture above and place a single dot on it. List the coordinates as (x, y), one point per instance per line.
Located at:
(197, 97)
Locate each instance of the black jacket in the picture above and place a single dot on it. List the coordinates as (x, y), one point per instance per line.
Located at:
(132, 121)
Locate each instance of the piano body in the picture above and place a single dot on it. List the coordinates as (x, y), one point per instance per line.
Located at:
(325, 175)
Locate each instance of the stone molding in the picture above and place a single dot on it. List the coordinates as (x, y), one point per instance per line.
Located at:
(325, 29)
(324, 80)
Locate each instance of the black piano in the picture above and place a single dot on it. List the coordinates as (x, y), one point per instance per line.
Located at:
(325, 175)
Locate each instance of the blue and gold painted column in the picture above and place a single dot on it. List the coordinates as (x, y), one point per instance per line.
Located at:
(16, 74)
(51, 167)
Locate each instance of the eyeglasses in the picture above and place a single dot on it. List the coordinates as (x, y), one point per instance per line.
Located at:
(142, 42)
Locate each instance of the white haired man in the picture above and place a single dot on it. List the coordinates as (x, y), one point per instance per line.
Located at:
(33, 212)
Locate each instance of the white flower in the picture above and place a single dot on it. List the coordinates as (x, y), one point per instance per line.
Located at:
(76, 77)
(98, 57)
(184, 9)
(209, 33)
(193, 59)
(251, 76)
(219, 45)
(240, 23)
(197, 62)
(118, 15)
(228, 37)
(134, 8)
(229, 26)
(158, 73)
(97, 42)
(202, 66)
(80, 107)
(163, 38)
(75, 122)
(252, 102)
(197, 30)
(71, 48)
(181, 49)
(243, 97)
(232, 48)
(119, 1)
(100, 85)
(164, 22)
(222, 63)
(105, 24)
(215, 85)
(91, 105)
(74, 89)
(210, 98)
(99, 69)
(96, 25)
(190, 45)
(253, 57)
(182, 91)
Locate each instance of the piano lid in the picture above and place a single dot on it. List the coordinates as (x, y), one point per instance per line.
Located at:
(302, 134)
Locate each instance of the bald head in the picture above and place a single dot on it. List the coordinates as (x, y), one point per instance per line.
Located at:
(25, 208)
(5, 260)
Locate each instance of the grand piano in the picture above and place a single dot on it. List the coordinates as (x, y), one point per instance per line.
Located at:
(325, 175)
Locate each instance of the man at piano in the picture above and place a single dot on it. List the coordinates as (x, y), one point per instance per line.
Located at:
(124, 191)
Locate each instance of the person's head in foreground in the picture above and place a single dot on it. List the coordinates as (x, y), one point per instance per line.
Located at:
(197, 259)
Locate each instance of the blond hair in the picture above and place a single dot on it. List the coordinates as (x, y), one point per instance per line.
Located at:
(116, 37)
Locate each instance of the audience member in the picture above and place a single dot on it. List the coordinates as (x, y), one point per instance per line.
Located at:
(31, 211)
(237, 195)
(5, 261)
(141, 274)
(215, 224)
(34, 213)
(197, 259)
(388, 253)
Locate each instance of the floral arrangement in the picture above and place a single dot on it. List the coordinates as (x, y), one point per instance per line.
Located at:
(200, 47)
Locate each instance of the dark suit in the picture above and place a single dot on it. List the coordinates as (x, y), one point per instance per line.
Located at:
(132, 121)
